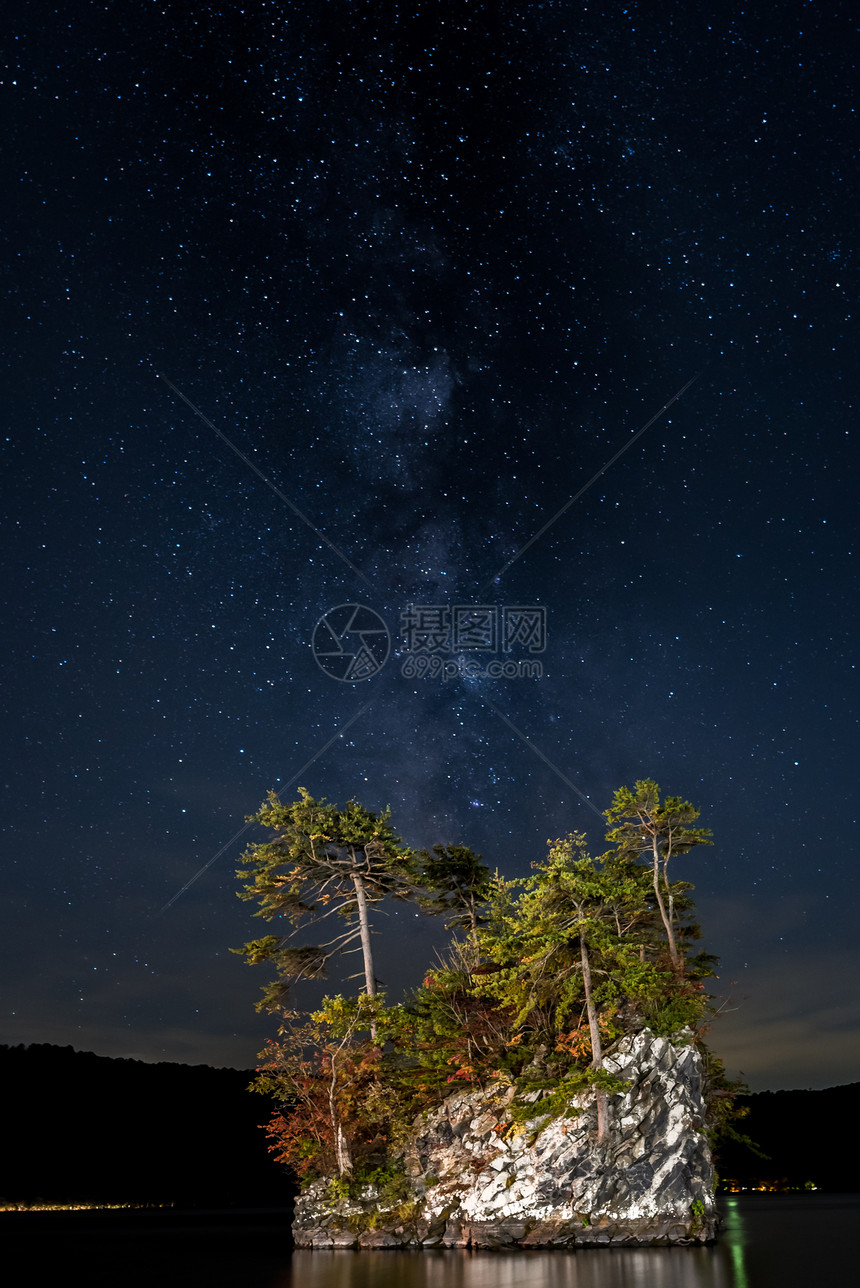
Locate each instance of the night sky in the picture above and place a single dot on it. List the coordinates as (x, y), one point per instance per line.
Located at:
(309, 305)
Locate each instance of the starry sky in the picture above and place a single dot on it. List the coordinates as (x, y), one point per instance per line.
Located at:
(445, 310)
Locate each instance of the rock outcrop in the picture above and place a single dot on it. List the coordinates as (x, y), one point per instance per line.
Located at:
(476, 1179)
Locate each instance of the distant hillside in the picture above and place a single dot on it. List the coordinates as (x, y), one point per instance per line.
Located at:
(78, 1126)
(82, 1127)
(807, 1136)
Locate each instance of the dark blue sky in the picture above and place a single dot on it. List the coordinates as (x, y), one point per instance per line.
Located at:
(424, 271)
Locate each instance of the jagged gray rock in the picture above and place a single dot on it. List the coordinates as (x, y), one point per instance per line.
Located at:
(479, 1180)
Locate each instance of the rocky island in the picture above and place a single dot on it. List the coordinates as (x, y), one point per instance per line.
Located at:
(477, 1180)
(546, 1086)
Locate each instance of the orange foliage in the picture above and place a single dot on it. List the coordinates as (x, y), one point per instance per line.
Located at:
(577, 1043)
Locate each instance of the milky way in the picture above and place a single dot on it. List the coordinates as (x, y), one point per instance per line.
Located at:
(313, 305)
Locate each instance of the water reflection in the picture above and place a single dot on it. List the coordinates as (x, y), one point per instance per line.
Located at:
(718, 1267)
(767, 1241)
(733, 1236)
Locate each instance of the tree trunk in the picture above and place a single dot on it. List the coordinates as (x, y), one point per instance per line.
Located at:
(341, 1145)
(667, 920)
(364, 930)
(473, 931)
(344, 1161)
(596, 1047)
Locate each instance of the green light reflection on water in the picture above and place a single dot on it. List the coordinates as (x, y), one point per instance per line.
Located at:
(734, 1238)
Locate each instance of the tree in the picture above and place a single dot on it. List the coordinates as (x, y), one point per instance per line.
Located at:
(446, 1031)
(322, 1077)
(641, 825)
(566, 945)
(545, 976)
(323, 861)
(456, 883)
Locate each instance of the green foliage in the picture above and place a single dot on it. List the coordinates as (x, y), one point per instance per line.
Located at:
(455, 883)
(643, 826)
(322, 861)
(338, 1189)
(536, 938)
(638, 818)
(542, 1098)
(447, 1031)
(390, 1183)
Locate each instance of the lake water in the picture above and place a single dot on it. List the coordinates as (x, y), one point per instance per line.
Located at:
(767, 1241)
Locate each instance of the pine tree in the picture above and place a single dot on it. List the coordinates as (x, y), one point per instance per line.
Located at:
(565, 945)
(453, 882)
(323, 862)
(640, 825)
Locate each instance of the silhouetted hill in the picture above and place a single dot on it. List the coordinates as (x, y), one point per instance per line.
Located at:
(82, 1127)
(809, 1136)
(78, 1126)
